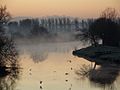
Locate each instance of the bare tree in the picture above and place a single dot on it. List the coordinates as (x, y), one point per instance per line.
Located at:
(109, 13)
(8, 53)
(104, 28)
(4, 15)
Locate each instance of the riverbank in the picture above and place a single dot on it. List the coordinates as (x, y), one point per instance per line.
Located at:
(101, 55)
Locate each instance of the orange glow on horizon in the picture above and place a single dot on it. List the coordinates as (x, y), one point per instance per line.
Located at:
(77, 8)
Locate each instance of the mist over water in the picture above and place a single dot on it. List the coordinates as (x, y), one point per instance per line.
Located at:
(45, 53)
(47, 62)
(40, 51)
(51, 66)
(54, 29)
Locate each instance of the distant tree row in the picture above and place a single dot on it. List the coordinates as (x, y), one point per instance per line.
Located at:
(47, 21)
(56, 21)
(28, 27)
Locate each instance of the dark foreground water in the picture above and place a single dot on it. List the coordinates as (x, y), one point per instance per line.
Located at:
(51, 66)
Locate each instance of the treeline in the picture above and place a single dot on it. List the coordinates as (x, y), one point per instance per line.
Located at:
(53, 27)
(26, 28)
(105, 28)
(46, 26)
(93, 31)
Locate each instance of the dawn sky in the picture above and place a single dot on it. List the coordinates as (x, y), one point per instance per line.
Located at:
(76, 8)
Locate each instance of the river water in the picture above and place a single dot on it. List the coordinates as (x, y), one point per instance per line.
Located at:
(51, 66)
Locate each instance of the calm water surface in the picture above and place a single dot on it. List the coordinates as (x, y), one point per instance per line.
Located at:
(51, 66)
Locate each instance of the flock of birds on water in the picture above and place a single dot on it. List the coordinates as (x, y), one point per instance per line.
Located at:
(41, 82)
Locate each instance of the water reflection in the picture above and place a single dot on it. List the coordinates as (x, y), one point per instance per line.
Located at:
(38, 57)
(9, 72)
(9, 64)
(8, 80)
(40, 52)
(104, 77)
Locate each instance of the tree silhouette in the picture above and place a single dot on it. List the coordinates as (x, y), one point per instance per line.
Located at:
(8, 53)
(109, 13)
(76, 22)
(86, 36)
(105, 28)
(39, 30)
(26, 23)
(4, 15)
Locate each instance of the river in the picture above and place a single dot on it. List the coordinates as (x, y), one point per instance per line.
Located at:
(51, 66)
